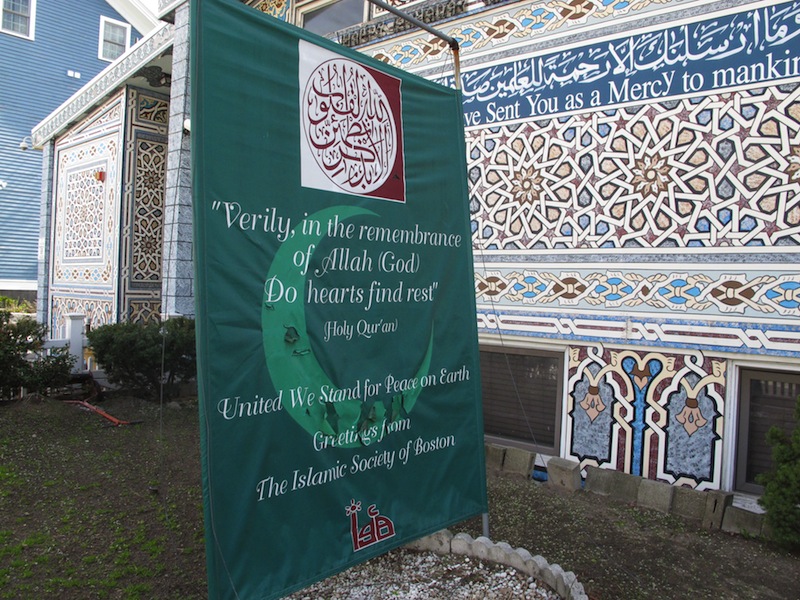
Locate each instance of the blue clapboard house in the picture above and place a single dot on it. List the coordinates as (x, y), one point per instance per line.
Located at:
(49, 49)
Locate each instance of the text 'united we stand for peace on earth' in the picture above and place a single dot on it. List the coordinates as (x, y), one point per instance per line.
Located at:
(400, 259)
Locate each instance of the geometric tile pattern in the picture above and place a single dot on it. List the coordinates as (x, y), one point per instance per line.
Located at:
(108, 232)
(142, 228)
(276, 8)
(84, 249)
(680, 292)
(96, 311)
(148, 227)
(657, 415)
(148, 109)
(144, 311)
(83, 225)
(280, 8)
(717, 171)
(517, 24)
(720, 171)
(83, 276)
(773, 338)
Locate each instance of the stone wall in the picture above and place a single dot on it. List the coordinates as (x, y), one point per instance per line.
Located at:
(707, 509)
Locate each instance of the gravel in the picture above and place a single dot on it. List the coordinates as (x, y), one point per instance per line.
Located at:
(410, 575)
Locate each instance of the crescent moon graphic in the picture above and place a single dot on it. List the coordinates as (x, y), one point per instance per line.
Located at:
(292, 364)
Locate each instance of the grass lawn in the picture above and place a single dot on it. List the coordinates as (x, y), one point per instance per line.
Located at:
(93, 511)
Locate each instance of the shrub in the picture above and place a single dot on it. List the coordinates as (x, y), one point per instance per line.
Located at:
(131, 354)
(16, 305)
(781, 497)
(24, 362)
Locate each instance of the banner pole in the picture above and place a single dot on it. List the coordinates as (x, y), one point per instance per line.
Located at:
(456, 64)
(485, 519)
(452, 42)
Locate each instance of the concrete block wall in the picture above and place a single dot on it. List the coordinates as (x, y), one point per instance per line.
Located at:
(709, 509)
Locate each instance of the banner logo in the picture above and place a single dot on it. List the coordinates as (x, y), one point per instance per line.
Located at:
(351, 138)
(377, 529)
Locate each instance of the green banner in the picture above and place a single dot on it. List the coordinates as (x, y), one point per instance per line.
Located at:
(337, 340)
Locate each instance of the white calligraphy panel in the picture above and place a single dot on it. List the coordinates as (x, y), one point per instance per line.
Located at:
(351, 138)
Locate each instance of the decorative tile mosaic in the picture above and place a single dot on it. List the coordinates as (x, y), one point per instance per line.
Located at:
(143, 311)
(709, 291)
(275, 8)
(83, 225)
(718, 171)
(776, 338)
(83, 275)
(106, 268)
(149, 110)
(85, 212)
(507, 26)
(652, 414)
(97, 311)
(148, 209)
(142, 232)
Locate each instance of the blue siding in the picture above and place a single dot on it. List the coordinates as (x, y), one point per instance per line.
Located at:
(33, 83)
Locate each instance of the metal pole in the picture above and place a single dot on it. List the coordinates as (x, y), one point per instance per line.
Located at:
(485, 519)
(452, 42)
(457, 66)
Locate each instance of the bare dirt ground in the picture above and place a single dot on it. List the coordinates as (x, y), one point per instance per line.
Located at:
(89, 511)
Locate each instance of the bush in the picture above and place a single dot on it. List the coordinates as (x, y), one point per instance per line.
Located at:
(781, 497)
(131, 354)
(16, 305)
(24, 364)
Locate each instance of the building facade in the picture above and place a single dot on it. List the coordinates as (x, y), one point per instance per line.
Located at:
(49, 50)
(634, 176)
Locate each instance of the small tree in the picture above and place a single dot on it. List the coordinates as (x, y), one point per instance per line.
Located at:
(781, 497)
(23, 362)
(132, 354)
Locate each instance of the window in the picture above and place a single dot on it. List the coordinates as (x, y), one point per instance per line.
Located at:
(522, 392)
(323, 17)
(114, 38)
(766, 398)
(18, 17)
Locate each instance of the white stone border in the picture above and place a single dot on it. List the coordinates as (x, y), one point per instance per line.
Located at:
(564, 583)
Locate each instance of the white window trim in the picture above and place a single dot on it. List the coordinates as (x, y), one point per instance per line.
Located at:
(31, 32)
(101, 36)
(730, 447)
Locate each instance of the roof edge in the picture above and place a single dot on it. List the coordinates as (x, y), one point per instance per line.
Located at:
(103, 84)
(135, 13)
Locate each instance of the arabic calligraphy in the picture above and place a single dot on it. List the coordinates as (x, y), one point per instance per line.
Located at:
(349, 126)
(430, 12)
(747, 47)
(377, 529)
